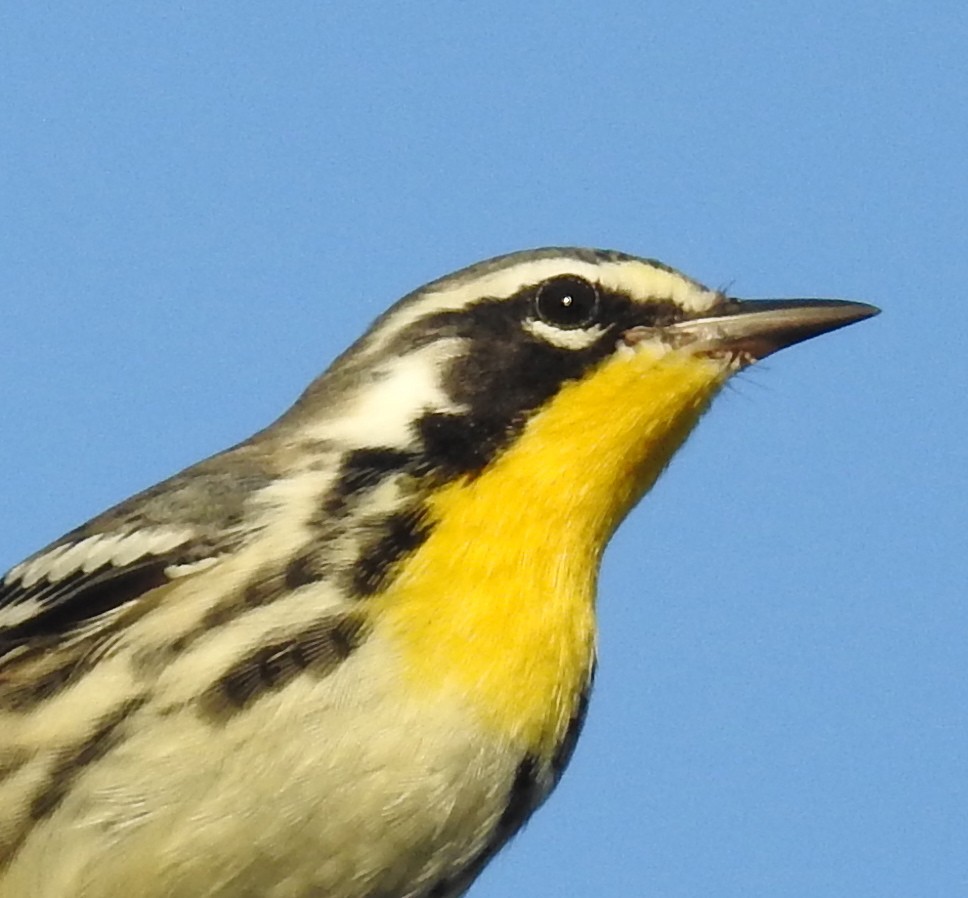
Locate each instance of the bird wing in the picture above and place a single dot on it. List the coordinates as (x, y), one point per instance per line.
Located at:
(76, 581)
(168, 532)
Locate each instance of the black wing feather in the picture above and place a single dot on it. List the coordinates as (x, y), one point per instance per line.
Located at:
(79, 598)
(206, 502)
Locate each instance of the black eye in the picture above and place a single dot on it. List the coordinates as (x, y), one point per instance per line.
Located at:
(567, 302)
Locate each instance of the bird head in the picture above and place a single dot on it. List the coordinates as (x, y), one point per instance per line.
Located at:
(600, 361)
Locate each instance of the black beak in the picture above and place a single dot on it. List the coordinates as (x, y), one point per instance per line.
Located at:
(759, 327)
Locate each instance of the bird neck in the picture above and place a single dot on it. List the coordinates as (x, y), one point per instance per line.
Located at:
(498, 603)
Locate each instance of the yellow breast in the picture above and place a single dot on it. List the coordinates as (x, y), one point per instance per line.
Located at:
(498, 604)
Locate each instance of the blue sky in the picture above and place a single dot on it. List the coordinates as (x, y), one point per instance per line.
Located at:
(203, 203)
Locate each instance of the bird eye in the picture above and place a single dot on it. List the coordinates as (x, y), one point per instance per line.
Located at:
(567, 302)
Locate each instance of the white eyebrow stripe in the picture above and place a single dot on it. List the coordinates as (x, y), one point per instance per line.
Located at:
(636, 277)
(384, 412)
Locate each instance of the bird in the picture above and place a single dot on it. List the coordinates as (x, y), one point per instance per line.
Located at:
(350, 656)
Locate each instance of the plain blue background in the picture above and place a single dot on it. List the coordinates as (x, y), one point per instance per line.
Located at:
(203, 203)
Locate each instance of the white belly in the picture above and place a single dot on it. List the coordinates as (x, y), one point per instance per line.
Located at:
(336, 788)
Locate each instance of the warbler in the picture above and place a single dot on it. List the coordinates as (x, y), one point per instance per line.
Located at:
(350, 656)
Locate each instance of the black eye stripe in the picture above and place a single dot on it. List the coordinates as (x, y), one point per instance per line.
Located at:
(567, 302)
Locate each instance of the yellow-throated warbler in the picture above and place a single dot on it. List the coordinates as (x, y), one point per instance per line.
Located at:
(348, 657)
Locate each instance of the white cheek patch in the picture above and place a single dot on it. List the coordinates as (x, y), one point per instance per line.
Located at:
(576, 338)
(383, 411)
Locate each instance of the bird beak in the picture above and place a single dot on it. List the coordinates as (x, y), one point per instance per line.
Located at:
(754, 329)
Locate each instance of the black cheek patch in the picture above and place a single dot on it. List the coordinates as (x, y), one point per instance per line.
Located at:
(500, 388)
(453, 445)
(511, 379)
(501, 378)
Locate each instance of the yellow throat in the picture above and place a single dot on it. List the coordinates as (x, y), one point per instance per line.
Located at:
(498, 603)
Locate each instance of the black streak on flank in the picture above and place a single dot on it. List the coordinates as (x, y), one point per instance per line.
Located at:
(47, 668)
(396, 536)
(39, 677)
(567, 746)
(304, 569)
(528, 790)
(76, 759)
(318, 650)
(11, 760)
(267, 584)
(524, 796)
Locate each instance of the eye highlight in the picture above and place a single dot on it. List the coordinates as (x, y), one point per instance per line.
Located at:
(567, 302)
